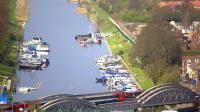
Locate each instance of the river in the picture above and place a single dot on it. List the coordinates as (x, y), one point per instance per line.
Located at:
(72, 68)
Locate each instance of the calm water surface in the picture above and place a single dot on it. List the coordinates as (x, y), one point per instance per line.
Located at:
(72, 68)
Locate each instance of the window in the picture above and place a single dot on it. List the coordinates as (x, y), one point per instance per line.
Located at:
(189, 60)
(196, 60)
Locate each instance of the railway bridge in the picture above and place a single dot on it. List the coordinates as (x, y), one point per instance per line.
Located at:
(168, 94)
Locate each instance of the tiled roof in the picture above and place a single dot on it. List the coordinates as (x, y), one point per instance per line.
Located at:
(190, 57)
(171, 4)
(196, 3)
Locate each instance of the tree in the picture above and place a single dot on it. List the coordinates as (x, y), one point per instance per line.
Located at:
(157, 41)
(156, 70)
(161, 72)
(136, 4)
(172, 76)
(3, 16)
(166, 14)
(3, 27)
(186, 11)
(159, 51)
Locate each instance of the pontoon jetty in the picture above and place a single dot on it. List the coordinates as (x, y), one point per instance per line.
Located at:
(89, 38)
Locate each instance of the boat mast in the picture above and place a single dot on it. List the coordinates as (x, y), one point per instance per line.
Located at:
(93, 38)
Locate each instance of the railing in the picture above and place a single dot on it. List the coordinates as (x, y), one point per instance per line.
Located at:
(127, 37)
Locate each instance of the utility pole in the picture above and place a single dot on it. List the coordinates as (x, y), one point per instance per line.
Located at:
(12, 102)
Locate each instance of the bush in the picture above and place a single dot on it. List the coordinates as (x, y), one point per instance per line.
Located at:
(136, 16)
(120, 52)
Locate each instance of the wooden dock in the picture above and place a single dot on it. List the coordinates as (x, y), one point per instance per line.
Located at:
(82, 10)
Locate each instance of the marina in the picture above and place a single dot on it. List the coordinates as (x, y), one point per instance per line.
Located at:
(71, 69)
(115, 75)
(50, 61)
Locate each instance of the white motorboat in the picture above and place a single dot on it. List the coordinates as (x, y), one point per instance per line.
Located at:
(100, 60)
(25, 89)
(113, 67)
(123, 71)
(42, 47)
(41, 54)
(27, 56)
(37, 40)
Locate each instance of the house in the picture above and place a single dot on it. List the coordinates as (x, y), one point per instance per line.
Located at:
(189, 37)
(135, 28)
(191, 66)
(170, 4)
(174, 4)
(195, 39)
(195, 4)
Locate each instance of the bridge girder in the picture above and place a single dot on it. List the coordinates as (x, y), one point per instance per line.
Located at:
(166, 95)
(70, 106)
(67, 103)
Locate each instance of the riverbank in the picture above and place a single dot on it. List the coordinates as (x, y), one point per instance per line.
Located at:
(118, 45)
(22, 11)
(14, 34)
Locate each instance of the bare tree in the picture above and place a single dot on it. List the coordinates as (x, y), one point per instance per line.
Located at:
(186, 11)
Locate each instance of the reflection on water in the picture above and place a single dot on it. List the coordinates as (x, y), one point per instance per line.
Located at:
(72, 68)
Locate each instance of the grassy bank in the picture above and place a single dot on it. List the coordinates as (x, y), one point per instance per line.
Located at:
(16, 32)
(13, 34)
(6, 69)
(22, 10)
(118, 44)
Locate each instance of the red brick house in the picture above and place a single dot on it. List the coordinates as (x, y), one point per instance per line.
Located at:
(170, 4)
(195, 39)
(189, 37)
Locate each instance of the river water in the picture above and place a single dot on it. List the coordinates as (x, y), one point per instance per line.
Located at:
(72, 68)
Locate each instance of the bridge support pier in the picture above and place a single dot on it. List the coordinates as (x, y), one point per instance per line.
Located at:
(196, 106)
(187, 107)
(138, 110)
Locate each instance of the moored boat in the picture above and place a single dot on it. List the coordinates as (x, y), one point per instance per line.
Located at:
(26, 89)
(33, 54)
